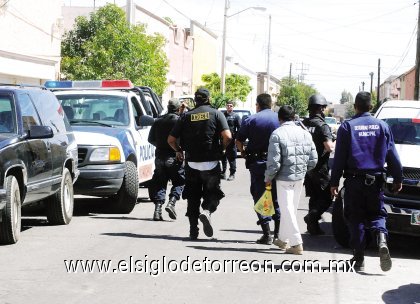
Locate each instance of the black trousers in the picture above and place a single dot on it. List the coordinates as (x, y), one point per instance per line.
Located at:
(202, 188)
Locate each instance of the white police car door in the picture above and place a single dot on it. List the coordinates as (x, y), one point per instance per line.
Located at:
(145, 151)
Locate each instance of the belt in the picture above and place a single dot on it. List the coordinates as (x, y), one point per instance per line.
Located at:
(257, 154)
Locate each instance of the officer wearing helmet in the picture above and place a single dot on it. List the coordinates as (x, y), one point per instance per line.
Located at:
(317, 180)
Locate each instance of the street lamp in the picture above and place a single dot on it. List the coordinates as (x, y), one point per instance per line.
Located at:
(371, 82)
(222, 74)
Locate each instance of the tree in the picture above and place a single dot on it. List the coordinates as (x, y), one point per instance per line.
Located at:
(295, 94)
(346, 97)
(237, 88)
(350, 111)
(104, 46)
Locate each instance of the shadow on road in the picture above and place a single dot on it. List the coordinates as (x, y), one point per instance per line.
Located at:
(403, 294)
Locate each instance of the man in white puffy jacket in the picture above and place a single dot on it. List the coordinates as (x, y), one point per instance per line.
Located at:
(291, 152)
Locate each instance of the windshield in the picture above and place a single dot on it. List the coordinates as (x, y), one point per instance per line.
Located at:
(330, 120)
(405, 130)
(7, 121)
(241, 113)
(104, 109)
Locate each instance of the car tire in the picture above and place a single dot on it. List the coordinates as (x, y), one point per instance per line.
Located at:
(339, 227)
(60, 205)
(11, 217)
(126, 198)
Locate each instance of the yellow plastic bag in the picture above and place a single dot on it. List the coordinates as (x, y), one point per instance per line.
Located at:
(265, 206)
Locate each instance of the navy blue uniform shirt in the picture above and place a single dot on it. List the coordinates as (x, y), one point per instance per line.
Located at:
(258, 128)
(364, 144)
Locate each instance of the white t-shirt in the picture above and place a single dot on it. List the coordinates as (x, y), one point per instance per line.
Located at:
(203, 166)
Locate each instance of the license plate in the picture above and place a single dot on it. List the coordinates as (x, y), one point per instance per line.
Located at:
(415, 218)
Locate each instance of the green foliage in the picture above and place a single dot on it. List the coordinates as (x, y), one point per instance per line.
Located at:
(104, 46)
(295, 94)
(237, 88)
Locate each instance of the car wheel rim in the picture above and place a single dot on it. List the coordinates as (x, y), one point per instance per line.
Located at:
(66, 196)
(15, 209)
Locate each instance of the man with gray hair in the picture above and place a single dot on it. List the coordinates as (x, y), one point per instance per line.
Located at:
(167, 167)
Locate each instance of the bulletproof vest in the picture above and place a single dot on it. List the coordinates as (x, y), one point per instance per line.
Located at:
(201, 135)
(314, 125)
(163, 127)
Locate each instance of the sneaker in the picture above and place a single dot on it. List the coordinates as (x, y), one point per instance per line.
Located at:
(231, 177)
(385, 258)
(279, 243)
(265, 240)
(205, 219)
(297, 249)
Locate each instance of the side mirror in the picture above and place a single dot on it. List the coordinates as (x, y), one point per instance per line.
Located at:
(146, 120)
(39, 132)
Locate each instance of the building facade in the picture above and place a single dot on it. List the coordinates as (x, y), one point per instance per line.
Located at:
(30, 41)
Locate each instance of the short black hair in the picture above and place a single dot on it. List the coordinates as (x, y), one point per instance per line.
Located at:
(264, 101)
(286, 113)
(363, 101)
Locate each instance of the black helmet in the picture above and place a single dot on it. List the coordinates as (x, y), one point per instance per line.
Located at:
(317, 99)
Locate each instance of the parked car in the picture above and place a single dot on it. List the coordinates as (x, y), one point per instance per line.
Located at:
(332, 123)
(243, 114)
(403, 117)
(111, 120)
(38, 158)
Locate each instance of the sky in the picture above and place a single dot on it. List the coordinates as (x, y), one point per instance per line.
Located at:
(334, 44)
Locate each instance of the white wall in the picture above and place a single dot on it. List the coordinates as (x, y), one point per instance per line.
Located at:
(30, 41)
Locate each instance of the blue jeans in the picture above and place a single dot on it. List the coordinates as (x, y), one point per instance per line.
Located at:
(202, 185)
(363, 209)
(166, 169)
(256, 171)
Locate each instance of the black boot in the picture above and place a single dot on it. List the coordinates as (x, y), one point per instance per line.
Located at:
(170, 208)
(384, 256)
(358, 260)
(157, 215)
(312, 224)
(193, 228)
(266, 238)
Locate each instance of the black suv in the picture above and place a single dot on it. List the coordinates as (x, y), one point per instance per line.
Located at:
(38, 157)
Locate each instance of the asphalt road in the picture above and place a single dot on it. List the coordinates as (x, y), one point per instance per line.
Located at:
(34, 270)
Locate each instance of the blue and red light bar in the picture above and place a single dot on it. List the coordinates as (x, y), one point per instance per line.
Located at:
(89, 84)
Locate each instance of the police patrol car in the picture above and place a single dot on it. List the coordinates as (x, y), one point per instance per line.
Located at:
(111, 120)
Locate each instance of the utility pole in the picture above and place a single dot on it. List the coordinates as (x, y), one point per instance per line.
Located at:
(268, 55)
(371, 82)
(130, 12)
(290, 74)
(363, 85)
(379, 82)
(302, 70)
(417, 74)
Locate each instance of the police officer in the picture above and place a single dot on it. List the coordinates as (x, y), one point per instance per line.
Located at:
(317, 180)
(167, 167)
(204, 134)
(234, 123)
(257, 128)
(364, 144)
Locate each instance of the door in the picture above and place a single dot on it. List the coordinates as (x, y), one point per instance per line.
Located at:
(38, 156)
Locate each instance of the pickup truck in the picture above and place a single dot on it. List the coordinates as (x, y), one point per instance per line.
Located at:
(111, 120)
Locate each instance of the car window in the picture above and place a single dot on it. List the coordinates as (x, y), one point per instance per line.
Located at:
(49, 110)
(240, 112)
(7, 118)
(330, 120)
(112, 110)
(405, 130)
(29, 114)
